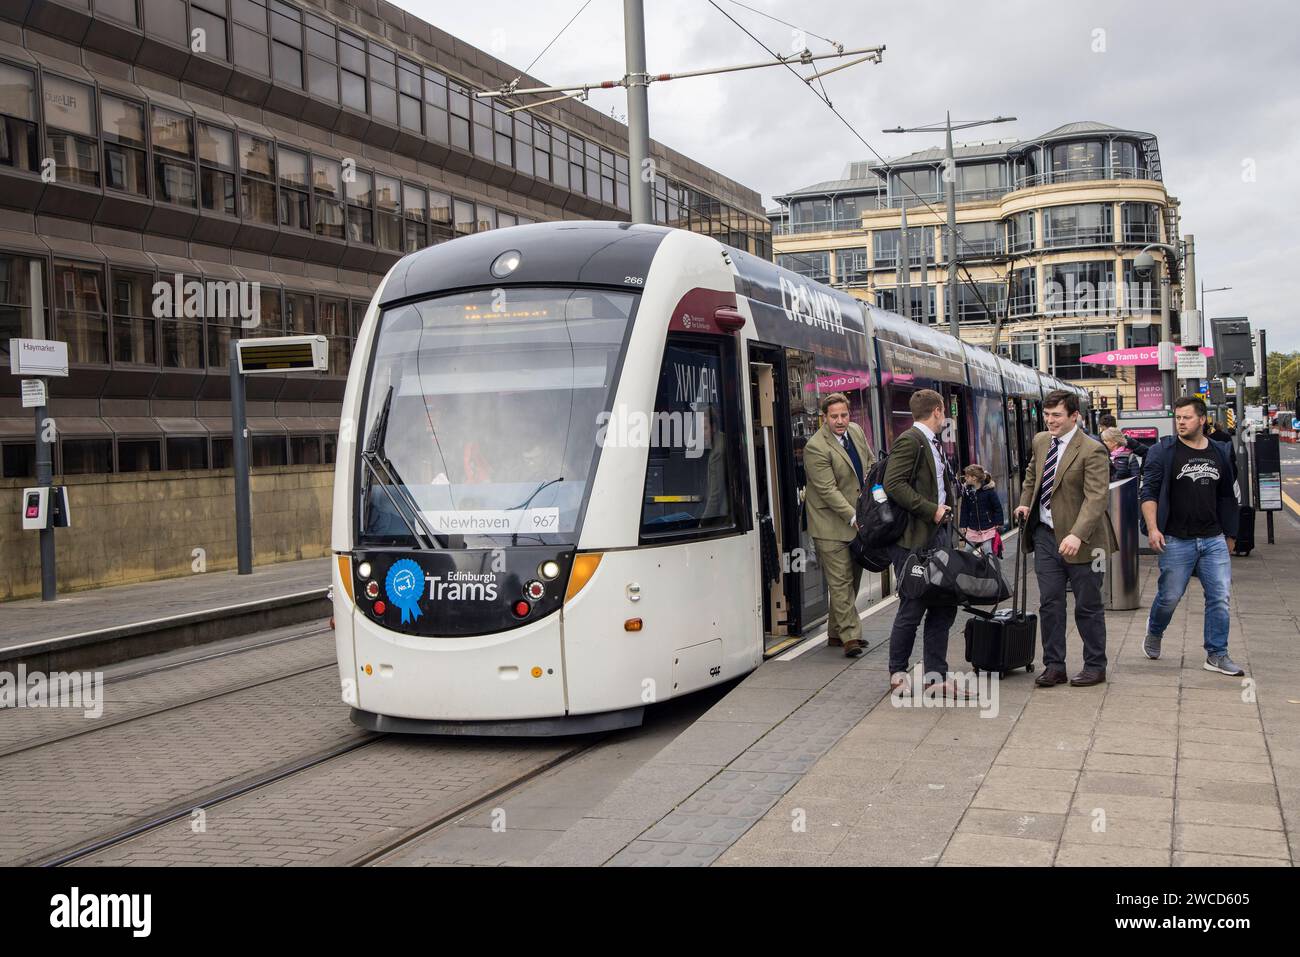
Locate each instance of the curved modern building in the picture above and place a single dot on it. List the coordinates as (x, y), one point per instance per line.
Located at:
(1049, 229)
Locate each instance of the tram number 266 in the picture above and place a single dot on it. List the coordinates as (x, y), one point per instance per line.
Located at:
(634, 280)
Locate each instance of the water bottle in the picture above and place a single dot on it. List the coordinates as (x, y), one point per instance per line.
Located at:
(878, 493)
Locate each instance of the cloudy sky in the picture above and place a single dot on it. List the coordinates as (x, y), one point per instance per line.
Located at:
(1219, 85)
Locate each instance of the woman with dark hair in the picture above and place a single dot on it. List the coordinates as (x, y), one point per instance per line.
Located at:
(981, 509)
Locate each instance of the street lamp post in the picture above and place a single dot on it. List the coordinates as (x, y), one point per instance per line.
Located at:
(950, 192)
(1144, 263)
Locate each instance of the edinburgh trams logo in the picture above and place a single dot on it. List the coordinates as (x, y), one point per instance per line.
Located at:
(803, 303)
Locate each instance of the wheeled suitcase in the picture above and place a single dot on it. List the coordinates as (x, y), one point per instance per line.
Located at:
(1245, 532)
(1003, 641)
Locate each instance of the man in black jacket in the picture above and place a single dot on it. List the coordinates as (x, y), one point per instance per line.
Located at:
(1191, 512)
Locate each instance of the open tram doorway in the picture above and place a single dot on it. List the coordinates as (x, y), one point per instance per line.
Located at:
(792, 587)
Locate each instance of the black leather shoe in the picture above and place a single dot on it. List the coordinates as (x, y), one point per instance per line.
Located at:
(1085, 678)
(1051, 676)
(854, 649)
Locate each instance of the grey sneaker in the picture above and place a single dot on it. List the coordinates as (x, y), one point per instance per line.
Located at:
(1223, 664)
(1151, 646)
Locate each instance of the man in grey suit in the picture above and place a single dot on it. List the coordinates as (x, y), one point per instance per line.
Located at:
(835, 461)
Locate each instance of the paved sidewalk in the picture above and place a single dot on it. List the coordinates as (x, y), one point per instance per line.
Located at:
(123, 606)
(808, 762)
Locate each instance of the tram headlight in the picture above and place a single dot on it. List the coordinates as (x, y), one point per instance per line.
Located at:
(506, 263)
(549, 569)
(364, 569)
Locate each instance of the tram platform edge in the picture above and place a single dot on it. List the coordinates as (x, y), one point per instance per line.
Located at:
(98, 627)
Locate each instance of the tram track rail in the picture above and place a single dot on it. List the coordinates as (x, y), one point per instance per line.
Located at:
(148, 712)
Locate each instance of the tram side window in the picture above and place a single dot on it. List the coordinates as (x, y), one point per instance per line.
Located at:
(692, 458)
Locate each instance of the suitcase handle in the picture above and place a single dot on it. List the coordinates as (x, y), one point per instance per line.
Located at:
(1020, 583)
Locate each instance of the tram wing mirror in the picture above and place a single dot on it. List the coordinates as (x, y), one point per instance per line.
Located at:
(728, 319)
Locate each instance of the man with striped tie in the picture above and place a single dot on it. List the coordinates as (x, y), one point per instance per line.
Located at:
(1063, 504)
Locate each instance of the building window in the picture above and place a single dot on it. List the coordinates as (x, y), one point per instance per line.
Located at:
(123, 10)
(124, 139)
(408, 95)
(257, 178)
(622, 193)
(981, 302)
(1127, 160)
(559, 157)
(216, 169)
(464, 217)
(1078, 161)
(458, 107)
(162, 18)
(885, 243)
(524, 143)
(1079, 289)
(435, 106)
(86, 456)
(383, 83)
(1024, 294)
(980, 181)
(286, 44)
(186, 453)
(173, 158)
(267, 451)
(295, 204)
(591, 162)
(487, 218)
(1024, 349)
(1141, 222)
(322, 59)
(181, 332)
(505, 220)
(851, 266)
(1141, 291)
(503, 137)
(81, 312)
(440, 221)
(577, 153)
(1070, 345)
(334, 326)
(18, 118)
(352, 70)
(69, 131)
(1086, 224)
(139, 455)
(18, 460)
(689, 484)
(213, 24)
(481, 110)
(811, 265)
(271, 316)
(300, 311)
(1139, 335)
(1020, 232)
(327, 185)
(913, 187)
(414, 211)
(304, 449)
(977, 240)
(17, 290)
(361, 228)
(249, 31)
(134, 327)
(388, 213)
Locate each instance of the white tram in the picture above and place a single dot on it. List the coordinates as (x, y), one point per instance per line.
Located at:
(569, 470)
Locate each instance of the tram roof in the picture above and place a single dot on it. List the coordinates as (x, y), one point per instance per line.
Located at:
(578, 252)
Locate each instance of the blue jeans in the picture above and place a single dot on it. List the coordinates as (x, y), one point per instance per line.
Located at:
(1207, 559)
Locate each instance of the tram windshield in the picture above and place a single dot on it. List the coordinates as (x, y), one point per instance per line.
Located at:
(483, 412)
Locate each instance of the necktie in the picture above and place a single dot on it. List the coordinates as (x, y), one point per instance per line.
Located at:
(943, 459)
(1049, 474)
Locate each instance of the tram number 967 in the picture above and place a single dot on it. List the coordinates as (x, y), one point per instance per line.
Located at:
(544, 520)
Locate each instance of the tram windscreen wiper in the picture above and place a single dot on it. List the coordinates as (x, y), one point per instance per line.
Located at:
(514, 539)
(378, 466)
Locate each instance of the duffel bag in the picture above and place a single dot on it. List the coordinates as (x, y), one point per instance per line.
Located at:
(943, 574)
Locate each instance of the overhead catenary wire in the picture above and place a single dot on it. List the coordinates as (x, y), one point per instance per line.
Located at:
(969, 279)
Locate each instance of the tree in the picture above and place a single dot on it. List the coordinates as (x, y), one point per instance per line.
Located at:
(1283, 374)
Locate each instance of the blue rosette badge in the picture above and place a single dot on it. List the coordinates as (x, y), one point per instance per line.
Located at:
(404, 583)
